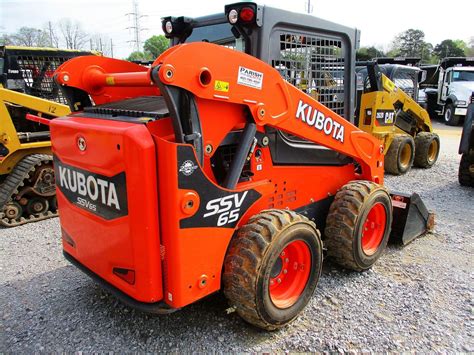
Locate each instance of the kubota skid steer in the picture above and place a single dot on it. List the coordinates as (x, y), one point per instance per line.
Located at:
(174, 184)
(170, 190)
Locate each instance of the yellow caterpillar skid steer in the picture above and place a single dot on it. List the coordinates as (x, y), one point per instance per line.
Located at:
(395, 117)
(27, 188)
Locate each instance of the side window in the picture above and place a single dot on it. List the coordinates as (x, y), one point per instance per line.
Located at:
(448, 77)
(406, 81)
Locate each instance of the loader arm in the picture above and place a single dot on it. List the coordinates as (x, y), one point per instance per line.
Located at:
(407, 104)
(271, 100)
(245, 80)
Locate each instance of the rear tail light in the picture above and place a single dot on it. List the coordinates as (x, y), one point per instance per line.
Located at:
(242, 13)
(125, 274)
(247, 14)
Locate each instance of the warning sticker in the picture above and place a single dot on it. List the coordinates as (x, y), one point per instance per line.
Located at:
(221, 86)
(249, 77)
(399, 204)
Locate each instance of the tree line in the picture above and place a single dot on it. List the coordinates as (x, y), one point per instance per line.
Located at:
(65, 33)
(69, 34)
(411, 43)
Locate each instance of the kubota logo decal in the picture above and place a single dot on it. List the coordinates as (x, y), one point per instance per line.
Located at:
(318, 120)
(102, 195)
(187, 168)
(228, 208)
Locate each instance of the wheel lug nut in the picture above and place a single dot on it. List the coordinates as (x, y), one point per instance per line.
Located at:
(287, 260)
(279, 280)
(272, 282)
(285, 271)
(282, 253)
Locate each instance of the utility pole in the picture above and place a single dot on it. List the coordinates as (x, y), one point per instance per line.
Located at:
(136, 26)
(50, 27)
(309, 7)
(100, 45)
(111, 48)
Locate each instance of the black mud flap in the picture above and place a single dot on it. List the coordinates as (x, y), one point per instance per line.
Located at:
(411, 218)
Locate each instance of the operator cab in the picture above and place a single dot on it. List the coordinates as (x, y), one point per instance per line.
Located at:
(403, 72)
(315, 55)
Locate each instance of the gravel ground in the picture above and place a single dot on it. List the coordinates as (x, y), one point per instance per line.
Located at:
(417, 298)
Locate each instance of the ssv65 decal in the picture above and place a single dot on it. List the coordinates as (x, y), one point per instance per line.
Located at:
(101, 195)
(218, 207)
(227, 208)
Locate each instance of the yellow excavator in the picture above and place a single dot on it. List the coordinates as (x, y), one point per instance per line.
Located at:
(27, 187)
(395, 117)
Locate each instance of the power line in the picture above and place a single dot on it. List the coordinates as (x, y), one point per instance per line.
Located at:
(137, 29)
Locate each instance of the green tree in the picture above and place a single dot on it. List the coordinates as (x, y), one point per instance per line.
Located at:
(461, 44)
(140, 56)
(426, 54)
(470, 48)
(448, 48)
(5, 40)
(368, 53)
(156, 45)
(410, 43)
(30, 37)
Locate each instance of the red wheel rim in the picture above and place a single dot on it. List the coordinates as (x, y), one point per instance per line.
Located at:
(374, 229)
(290, 274)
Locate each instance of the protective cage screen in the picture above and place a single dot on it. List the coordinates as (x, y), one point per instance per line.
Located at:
(315, 65)
(37, 72)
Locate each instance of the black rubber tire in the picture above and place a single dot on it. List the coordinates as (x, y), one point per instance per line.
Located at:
(249, 261)
(423, 142)
(465, 176)
(346, 217)
(393, 163)
(449, 117)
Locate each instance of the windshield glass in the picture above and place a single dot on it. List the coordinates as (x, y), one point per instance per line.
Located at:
(219, 34)
(463, 76)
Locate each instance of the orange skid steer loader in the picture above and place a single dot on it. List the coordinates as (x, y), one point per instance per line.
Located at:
(170, 187)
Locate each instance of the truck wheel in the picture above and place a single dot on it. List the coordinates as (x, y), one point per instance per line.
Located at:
(449, 117)
(426, 149)
(466, 170)
(272, 268)
(358, 225)
(400, 155)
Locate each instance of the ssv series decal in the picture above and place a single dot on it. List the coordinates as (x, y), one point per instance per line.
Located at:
(227, 208)
(218, 207)
(101, 195)
(318, 120)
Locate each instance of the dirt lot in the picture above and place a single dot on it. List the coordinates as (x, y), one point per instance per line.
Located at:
(419, 298)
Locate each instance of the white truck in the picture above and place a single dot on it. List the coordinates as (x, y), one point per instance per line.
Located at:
(448, 88)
